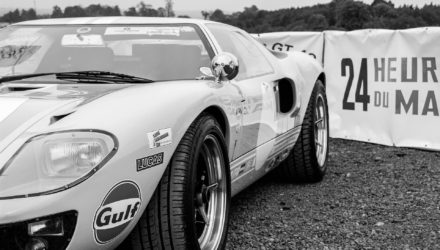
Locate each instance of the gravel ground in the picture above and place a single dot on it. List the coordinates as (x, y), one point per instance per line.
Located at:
(373, 197)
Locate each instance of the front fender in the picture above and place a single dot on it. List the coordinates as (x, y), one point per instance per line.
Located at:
(132, 114)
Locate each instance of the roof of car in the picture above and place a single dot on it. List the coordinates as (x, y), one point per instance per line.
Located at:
(112, 20)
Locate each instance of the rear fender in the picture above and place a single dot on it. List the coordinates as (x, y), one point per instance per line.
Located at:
(304, 71)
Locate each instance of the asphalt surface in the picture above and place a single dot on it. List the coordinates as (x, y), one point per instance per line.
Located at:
(373, 197)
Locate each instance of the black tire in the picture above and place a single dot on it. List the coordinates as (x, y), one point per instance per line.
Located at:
(169, 221)
(302, 164)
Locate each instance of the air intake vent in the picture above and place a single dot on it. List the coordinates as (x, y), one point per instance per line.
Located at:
(56, 118)
(21, 89)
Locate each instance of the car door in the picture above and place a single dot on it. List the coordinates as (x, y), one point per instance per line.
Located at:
(256, 82)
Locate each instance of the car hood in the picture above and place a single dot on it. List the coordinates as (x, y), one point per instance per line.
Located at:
(23, 107)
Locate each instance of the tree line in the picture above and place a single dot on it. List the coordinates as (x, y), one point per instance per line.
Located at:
(93, 10)
(336, 15)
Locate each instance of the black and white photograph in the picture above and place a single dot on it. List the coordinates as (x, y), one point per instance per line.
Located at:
(212, 125)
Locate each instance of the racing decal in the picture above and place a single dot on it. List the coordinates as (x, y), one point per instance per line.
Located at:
(283, 144)
(243, 167)
(285, 141)
(150, 31)
(117, 210)
(126, 31)
(149, 162)
(82, 40)
(160, 138)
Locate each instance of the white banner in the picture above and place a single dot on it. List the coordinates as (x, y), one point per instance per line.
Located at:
(383, 86)
(308, 42)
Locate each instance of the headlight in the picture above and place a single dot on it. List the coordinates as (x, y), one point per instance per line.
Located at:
(54, 162)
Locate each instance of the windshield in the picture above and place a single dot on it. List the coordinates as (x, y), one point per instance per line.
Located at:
(156, 52)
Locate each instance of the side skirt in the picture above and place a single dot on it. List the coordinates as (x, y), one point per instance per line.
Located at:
(255, 164)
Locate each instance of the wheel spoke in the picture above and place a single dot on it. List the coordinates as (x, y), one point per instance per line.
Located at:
(211, 187)
(319, 121)
(318, 143)
(202, 212)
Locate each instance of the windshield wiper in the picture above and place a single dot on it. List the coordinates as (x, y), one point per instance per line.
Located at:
(84, 77)
(21, 77)
(100, 76)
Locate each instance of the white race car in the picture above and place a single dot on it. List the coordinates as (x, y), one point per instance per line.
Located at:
(137, 131)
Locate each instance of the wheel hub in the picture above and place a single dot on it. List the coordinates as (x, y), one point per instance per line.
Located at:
(321, 131)
(210, 195)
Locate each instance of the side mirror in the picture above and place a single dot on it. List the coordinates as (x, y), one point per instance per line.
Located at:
(224, 67)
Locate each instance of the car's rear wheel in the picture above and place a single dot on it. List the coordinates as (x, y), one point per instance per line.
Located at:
(189, 209)
(307, 162)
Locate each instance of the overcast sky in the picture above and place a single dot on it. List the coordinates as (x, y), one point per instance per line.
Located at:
(227, 5)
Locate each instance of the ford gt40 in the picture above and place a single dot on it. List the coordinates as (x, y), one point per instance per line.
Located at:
(136, 132)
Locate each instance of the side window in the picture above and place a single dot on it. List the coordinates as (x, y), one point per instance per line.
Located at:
(252, 62)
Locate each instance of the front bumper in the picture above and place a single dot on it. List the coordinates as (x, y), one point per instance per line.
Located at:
(85, 200)
(15, 214)
(17, 235)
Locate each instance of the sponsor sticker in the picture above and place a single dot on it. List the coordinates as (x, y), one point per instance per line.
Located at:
(82, 40)
(150, 31)
(126, 31)
(149, 162)
(117, 210)
(160, 138)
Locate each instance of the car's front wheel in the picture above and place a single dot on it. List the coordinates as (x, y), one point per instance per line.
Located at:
(189, 209)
